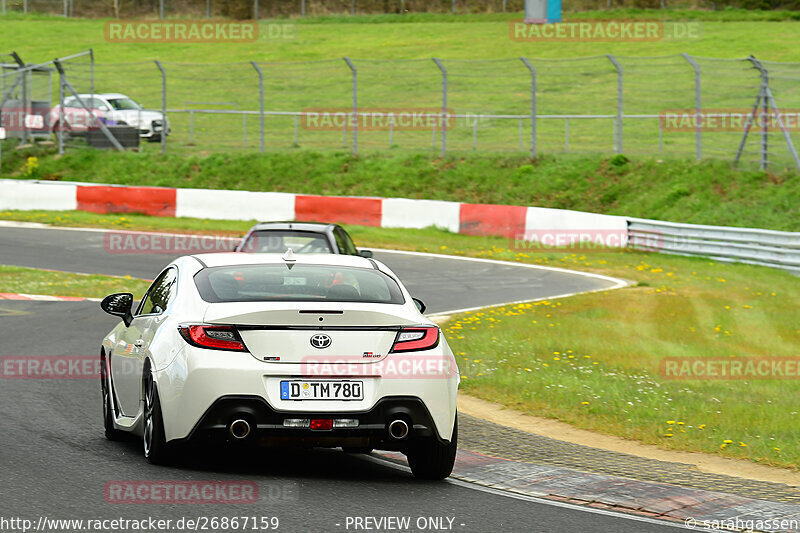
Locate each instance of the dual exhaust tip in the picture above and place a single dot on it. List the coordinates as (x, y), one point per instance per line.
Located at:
(240, 429)
(398, 429)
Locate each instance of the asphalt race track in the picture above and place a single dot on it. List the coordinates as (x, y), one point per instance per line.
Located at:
(444, 284)
(56, 463)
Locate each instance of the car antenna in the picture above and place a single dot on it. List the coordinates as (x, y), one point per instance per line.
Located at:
(289, 258)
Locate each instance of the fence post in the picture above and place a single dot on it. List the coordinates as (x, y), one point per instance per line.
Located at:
(60, 132)
(533, 105)
(25, 7)
(355, 103)
(302, 8)
(91, 71)
(66, 13)
(764, 159)
(163, 106)
(260, 101)
(698, 135)
(619, 101)
(255, 9)
(353, 7)
(208, 9)
(444, 102)
(454, 6)
(4, 6)
(161, 9)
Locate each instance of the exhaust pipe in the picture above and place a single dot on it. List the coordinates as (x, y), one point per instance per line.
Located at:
(398, 429)
(239, 429)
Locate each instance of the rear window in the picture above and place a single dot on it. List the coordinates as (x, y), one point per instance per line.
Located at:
(302, 283)
(278, 241)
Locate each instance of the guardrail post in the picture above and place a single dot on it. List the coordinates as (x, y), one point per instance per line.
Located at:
(619, 101)
(533, 105)
(355, 103)
(260, 101)
(163, 107)
(698, 135)
(444, 101)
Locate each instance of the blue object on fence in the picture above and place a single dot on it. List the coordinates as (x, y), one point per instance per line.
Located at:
(542, 11)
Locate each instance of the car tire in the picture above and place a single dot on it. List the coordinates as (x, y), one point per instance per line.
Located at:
(432, 459)
(111, 432)
(156, 449)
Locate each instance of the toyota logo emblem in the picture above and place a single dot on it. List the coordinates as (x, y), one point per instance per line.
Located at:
(320, 341)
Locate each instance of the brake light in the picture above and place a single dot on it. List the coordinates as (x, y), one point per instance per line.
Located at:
(321, 424)
(213, 337)
(416, 338)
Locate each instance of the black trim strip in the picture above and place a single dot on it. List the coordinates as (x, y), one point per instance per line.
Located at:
(317, 328)
(200, 261)
(321, 312)
(374, 264)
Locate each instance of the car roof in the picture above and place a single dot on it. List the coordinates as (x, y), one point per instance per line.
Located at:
(238, 258)
(103, 95)
(320, 227)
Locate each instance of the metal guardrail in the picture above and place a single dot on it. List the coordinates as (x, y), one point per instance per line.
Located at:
(777, 249)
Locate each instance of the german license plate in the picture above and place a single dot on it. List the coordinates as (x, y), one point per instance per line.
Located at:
(322, 390)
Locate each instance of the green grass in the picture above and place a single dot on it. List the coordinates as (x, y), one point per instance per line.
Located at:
(380, 46)
(609, 344)
(15, 279)
(709, 192)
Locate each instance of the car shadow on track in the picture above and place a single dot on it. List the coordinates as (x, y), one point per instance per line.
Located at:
(302, 463)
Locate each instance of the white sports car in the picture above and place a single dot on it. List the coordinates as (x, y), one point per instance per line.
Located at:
(315, 350)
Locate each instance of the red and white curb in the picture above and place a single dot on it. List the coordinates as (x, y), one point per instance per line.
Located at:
(469, 219)
(45, 297)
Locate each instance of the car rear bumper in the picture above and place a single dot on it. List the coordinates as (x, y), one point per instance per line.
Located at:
(200, 390)
(267, 426)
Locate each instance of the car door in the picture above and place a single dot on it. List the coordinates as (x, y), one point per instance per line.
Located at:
(127, 360)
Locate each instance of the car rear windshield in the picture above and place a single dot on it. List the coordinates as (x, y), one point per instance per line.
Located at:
(304, 283)
(278, 241)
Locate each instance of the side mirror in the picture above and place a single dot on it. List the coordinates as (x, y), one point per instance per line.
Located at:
(102, 107)
(420, 305)
(365, 253)
(119, 304)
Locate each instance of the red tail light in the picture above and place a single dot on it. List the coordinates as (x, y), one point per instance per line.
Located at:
(321, 424)
(416, 338)
(213, 337)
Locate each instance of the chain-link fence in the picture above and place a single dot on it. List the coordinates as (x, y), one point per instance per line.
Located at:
(678, 106)
(245, 9)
